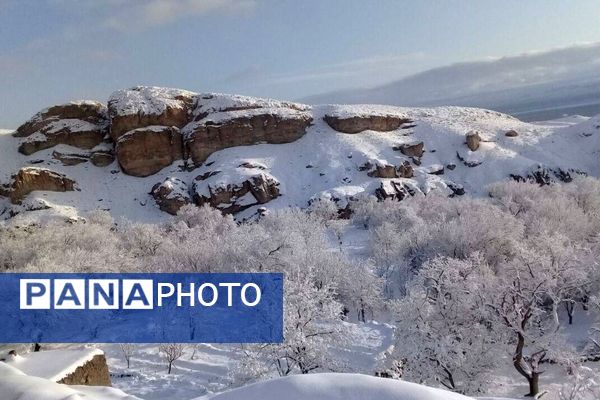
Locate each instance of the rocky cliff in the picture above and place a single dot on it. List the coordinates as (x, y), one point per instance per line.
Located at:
(155, 148)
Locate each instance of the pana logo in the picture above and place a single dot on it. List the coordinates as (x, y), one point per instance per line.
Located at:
(132, 294)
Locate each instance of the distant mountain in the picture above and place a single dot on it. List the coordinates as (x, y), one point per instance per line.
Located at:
(545, 84)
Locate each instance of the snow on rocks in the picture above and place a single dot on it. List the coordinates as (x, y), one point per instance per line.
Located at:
(414, 149)
(171, 195)
(360, 123)
(381, 169)
(223, 135)
(29, 179)
(244, 127)
(335, 386)
(210, 103)
(143, 106)
(81, 124)
(145, 151)
(235, 190)
(397, 189)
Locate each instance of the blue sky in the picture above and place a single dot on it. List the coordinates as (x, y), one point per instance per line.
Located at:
(53, 51)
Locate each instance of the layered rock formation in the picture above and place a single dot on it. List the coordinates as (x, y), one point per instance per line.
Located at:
(143, 106)
(29, 179)
(360, 123)
(145, 151)
(80, 124)
(241, 128)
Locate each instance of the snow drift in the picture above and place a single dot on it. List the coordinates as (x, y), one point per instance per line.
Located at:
(334, 386)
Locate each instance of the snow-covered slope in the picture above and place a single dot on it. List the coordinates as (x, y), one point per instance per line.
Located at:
(323, 163)
(336, 387)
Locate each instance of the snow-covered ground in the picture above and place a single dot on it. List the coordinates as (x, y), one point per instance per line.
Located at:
(335, 387)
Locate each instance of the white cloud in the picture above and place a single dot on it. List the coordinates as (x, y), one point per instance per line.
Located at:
(139, 15)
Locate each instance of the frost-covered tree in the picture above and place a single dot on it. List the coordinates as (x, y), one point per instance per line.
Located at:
(583, 385)
(443, 326)
(525, 297)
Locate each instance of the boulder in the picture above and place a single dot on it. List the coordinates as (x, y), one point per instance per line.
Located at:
(241, 128)
(102, 158)
(171, 195)
(411, 149)
(457, 189)
(381, 170)
(233, 194)
(145, 151)
(80, 124)
(405, 170)
(359, 123)
(386, 171)
(29, 179)
(144, 106)
(511, 133)
(473, 140)
(396, 189)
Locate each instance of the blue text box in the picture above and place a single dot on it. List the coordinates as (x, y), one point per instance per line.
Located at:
(91, 308)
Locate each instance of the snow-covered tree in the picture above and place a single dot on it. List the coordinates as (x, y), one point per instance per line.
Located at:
(443, 331)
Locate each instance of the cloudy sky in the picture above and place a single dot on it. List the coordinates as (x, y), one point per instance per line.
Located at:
(52, 51)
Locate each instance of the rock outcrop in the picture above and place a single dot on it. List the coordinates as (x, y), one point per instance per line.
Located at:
(92, 373)
(384, 170)
(234, 194)
(143, 106)
(396, 189)
(145, 151)
(80, 124)
(411, 149)
(241, 128)
(360, 123)
(171, 195)
(511, 133)
(29, 179)
(102, 158)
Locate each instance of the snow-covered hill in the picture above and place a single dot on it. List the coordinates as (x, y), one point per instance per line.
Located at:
(336, 387)
(322, 163)
(525, 85)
